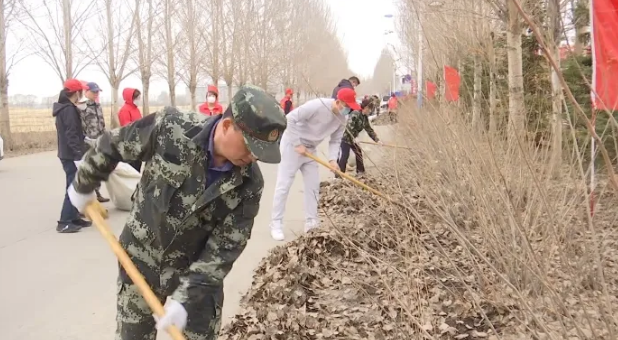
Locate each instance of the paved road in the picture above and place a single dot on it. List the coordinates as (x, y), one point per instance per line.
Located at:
(62, 286)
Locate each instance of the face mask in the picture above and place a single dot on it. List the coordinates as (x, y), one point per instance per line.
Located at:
(345, 111)
(81, 106)
(137, 100)
(211, 99)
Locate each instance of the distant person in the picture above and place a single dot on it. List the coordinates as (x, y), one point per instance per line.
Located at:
(392, 108)
(130, 113)
(349, 83)
(71, 148)
(211, 107)
(93, 121)
(286, 102)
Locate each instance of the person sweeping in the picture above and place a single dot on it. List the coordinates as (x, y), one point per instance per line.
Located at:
(308, 126)
(357, 122)
(194, 209)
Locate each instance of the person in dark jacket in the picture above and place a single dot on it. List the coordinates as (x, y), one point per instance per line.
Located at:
(357, 122)
(350, 83)
(286, 102)
(71, 147)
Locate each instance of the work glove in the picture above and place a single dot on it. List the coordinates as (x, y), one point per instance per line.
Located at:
(175, 314)
(80, 201)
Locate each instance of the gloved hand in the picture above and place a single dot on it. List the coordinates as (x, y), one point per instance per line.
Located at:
(334, 165)
(380, 142)
(175, 314)
(80, 201)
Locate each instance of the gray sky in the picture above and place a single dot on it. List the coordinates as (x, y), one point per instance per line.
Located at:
(361, 25)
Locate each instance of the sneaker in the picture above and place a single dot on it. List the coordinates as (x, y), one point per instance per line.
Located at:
(276, 231)
(82, 223)
(309, 225)
(67, 228)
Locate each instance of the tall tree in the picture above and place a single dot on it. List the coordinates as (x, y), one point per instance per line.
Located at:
(118, 43)
(53, 27)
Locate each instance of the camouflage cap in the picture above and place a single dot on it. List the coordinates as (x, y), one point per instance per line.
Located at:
(261, 120)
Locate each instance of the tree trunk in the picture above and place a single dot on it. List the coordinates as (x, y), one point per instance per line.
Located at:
(145, 95)
(556, 117)
(171, 70)
(493, 120)
(115, 122)
(5, 119)
(476, 104)
(68, 38)
(517, 122)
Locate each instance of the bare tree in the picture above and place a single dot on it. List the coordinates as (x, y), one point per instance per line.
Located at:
(53, 27)
(194, 47)
(145, 46)
(170, 39)
(118, 43)
(10, 12)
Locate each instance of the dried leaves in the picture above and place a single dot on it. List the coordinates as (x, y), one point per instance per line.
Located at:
(373, 271)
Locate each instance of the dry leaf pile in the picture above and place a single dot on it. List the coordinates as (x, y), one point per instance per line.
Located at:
(374, 274)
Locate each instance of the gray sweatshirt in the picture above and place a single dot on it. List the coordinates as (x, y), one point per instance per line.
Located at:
(310, 123)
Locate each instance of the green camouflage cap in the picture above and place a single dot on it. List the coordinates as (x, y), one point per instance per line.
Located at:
(261, 120)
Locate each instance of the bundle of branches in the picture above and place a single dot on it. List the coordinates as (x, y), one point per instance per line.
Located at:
(480, 244)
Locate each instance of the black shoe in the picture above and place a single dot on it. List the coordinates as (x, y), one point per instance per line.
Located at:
(82, 223)
(67, 228)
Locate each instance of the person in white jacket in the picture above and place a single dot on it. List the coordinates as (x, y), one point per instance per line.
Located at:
(308, 125)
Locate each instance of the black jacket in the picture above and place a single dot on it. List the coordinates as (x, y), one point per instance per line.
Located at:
(69, 130)
(344, 83)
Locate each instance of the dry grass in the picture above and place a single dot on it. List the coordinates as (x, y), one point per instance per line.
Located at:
(481, 245)
(34, 130)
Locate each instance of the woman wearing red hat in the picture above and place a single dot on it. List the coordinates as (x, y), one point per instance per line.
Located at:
(286, 102)
(211, 107)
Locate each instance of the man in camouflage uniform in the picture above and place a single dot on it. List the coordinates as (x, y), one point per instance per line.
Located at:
(357, 122)
(93, 122)
(194, 208)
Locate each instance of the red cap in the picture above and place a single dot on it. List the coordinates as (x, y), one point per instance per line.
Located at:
(213, 89)
(289, 91)
(74, 85)
(348, 96)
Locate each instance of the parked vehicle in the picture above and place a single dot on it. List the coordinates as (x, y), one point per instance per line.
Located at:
(384, 104)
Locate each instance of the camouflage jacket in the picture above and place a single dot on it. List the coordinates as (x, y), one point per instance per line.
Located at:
(357, 122)
(182, 236)
(93, 122)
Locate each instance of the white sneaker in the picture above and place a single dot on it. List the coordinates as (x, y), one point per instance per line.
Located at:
(276, 231)
(309, 225)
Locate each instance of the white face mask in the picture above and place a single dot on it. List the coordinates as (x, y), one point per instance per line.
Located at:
(211, 99)
(81, 106)
(137, 100)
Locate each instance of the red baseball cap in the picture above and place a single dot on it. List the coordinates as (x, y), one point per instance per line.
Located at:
(348, 96)
(74, 85)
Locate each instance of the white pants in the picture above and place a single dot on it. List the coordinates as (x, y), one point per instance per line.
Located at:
(291, 162)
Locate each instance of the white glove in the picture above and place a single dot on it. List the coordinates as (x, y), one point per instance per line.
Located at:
(356, 140)
(80, 201)
(175, 314)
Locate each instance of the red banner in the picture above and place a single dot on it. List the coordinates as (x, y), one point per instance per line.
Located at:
(431, 90)
(605, 53)
(452, 81)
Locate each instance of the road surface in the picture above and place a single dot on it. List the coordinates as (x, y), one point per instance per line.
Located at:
(62, 286)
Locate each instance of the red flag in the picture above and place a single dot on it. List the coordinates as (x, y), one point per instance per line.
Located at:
(451, 80)
(605, 54)
(431, 90)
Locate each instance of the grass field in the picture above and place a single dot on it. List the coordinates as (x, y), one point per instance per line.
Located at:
(26, 120)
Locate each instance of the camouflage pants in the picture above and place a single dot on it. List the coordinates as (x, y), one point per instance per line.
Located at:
(134, 320)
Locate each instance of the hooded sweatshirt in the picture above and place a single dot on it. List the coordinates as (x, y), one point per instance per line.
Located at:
(344, 83)
(129, 112)
(69, 130)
